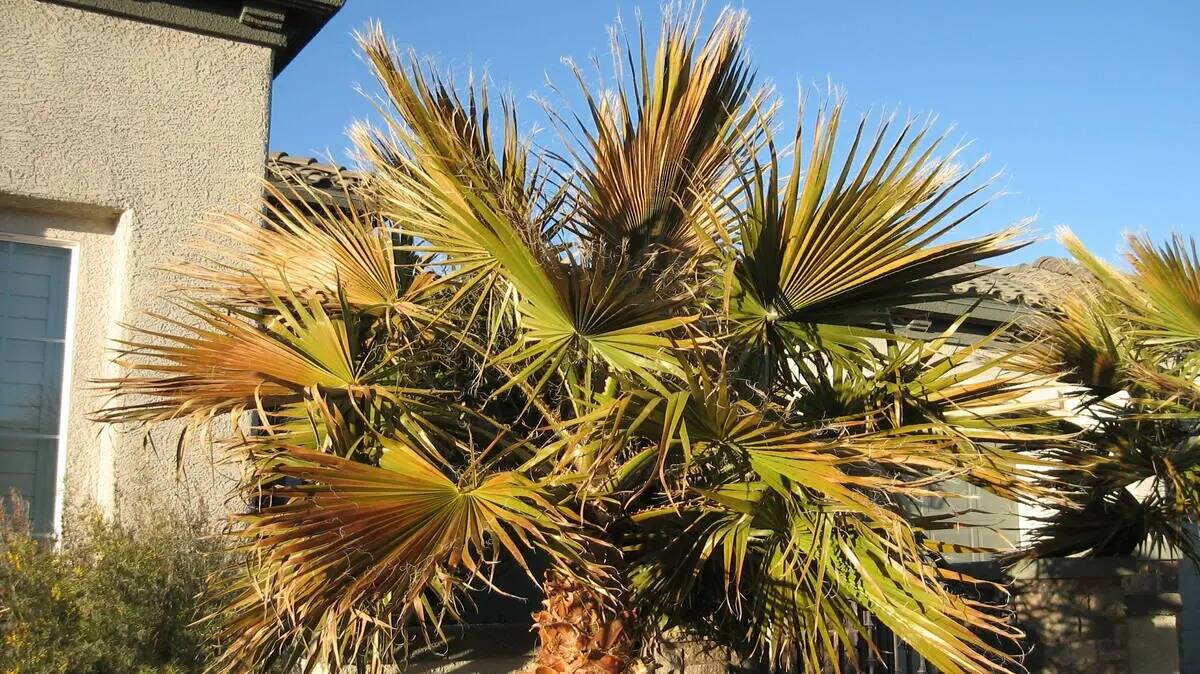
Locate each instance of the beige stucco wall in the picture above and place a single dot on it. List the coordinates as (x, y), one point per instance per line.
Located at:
(118, 135)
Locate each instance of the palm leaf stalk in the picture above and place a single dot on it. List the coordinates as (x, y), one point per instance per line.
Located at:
(641, 359)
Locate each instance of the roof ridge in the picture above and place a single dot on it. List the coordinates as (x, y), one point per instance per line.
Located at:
(313, 171)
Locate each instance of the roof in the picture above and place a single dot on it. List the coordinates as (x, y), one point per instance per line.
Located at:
(318, 174)
(329, 183)
(302, 20)
(1032, 285)
(1038, 284)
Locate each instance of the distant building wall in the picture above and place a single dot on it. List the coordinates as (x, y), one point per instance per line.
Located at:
(116, 136)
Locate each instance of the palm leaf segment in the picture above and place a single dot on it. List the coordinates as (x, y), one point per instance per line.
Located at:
(1161, 295)
(841, 242)
(308, 244)
(228, 365)
(661, 148)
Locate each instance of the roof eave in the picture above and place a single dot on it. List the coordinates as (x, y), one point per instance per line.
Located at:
(284, 26)
(304, 19)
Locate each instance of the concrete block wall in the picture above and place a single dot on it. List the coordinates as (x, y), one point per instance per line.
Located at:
(1106, 616)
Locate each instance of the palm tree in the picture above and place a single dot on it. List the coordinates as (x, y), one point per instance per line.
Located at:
(658, 359)
(1128, 347)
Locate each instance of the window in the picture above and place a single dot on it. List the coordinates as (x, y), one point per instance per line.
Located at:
(34, 282)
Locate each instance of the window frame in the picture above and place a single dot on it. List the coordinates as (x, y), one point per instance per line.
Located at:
(68, 368)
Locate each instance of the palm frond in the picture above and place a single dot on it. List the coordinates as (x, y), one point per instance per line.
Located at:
(230, 363)
(309, 245)
(429, 121)
(793, 573)
(663, 147)
(1082, 343)
(841, 241)
(1162, 294)
(358, 555)
(1170, 277)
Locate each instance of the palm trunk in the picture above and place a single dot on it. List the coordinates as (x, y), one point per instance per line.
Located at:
(578, 635)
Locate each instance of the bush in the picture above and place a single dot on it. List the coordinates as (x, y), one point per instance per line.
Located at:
(110, 599)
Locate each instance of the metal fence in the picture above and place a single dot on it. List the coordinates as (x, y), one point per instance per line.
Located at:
(889, 656)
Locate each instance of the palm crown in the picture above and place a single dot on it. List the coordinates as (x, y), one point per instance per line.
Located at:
(1128, 347)
(641, 358)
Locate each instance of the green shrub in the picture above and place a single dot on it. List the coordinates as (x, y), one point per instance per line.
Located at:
(109, 599)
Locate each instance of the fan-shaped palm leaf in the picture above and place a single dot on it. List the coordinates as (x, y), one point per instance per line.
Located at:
(840, 242)
(659, 149)
(231, 364)
(356, 552)
(313, 246)
(1082, 343)
(1161, 296)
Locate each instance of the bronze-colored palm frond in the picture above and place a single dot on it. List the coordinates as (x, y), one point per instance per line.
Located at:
(601, 313)
(230, 363)
(356, 556)
(1136, 484)
(1170, 277)
(428, 121)
(665, 145)
(787, 573)
(464, 206)
(459, 219)
(743, 503)
(312, 245)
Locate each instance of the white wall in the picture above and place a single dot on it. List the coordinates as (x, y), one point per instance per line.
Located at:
(119, 135)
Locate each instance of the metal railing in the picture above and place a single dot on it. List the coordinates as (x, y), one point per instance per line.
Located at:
(889, 656)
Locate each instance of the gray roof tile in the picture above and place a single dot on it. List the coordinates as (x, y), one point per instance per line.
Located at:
(312, 171)
(1038, 284)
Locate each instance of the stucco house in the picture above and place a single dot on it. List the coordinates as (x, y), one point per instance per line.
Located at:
(121, 123)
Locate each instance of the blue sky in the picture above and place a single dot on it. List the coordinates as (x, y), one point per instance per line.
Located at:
(1090, 109)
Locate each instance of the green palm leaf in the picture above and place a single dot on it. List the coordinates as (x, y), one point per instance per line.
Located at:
(841, 242)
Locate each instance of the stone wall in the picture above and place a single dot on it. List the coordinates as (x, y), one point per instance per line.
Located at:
(1104, 616)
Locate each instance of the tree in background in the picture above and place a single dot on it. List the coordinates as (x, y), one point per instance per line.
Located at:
(641, 358)
(1127, 344)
